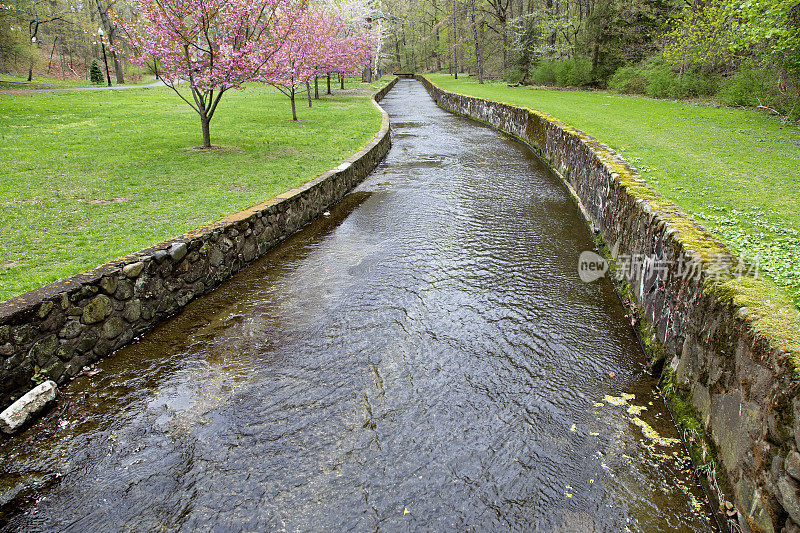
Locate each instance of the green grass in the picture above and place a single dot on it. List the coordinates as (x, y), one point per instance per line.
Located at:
(736, 171)
(91, 176)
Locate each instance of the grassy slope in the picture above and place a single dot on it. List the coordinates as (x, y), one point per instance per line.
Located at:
(91, 176)
(735, 170)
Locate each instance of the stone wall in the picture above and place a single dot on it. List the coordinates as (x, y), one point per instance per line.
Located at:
(74, 322)
(741, 385)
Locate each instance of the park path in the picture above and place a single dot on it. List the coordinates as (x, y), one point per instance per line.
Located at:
(158, 83)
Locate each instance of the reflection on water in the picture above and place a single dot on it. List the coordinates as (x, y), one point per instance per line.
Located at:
(424, 358)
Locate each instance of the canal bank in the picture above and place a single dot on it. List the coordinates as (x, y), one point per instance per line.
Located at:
(426, 357)
(56, 330)
(730, 379)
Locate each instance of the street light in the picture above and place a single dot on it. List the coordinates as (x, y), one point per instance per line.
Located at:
(100, 32)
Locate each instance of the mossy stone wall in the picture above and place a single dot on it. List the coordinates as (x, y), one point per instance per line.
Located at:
(742, 385)
(68, 324)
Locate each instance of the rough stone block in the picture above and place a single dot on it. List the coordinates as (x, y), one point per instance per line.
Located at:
(790, 497)
(27, 407)
(792, 465)
(113, 327)
(108, 284)
(133, 270)
(97, 310)
(178, 251)
(71, 329)
(43, 350)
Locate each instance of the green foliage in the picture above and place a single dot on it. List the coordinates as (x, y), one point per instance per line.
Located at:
(95, 74)
(766, 86)
(38, 375)
(566, 73)
(515, 75)
(655, 78)
(773, 26)
(628, 80)
(743, 88)
(702, 36)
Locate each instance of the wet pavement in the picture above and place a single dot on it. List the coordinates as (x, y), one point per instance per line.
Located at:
(425, 358)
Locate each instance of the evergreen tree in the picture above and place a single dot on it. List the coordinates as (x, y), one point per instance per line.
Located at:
(95, 74)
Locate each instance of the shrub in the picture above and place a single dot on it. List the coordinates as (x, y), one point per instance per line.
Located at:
(564, 73)
(515, 75)
(628, 80)
(95, 74)
(661, 83)
(655, 78)
(743, 88)
(543, 74)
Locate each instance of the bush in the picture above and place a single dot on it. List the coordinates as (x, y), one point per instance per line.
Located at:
(95, 74)
(515, 75)
(543, 74)
(565, 73)
(743, 88)
(628, 80)
(655, 78)
(661, 83)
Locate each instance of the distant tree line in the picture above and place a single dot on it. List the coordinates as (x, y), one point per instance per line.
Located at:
(744, 52)
(60, 38)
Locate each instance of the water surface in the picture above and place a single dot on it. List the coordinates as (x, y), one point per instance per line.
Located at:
(425, 358)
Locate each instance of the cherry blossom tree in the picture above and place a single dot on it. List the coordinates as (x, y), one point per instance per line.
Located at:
(205, 47)
(292, 65)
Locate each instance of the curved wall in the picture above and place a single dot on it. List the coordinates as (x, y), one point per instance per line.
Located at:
(73, 322)
(742, 385)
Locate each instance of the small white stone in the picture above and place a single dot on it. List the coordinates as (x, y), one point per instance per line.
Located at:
(27, 407)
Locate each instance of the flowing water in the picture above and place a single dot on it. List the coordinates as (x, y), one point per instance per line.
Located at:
(425, 358)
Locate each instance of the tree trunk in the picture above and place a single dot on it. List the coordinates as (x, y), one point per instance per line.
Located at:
(341, 80)
(505, 46)
(308, 92)
(294, 110)
(455, 59)
(52, 51)
(316, 87)
(435, 29)
(206, 123)
(329, 83)
(478, 57)
(117, 68)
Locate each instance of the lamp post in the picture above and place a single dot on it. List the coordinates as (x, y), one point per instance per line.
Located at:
(100, 32)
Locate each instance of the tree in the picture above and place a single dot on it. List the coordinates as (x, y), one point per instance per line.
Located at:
(319, 43)
(703, 36)
(478, 57)
(37, 14)
(111, 32)
(211, 45)
(95, 73)
(293, 65)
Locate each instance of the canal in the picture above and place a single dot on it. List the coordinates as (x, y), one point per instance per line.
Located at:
(424, 357)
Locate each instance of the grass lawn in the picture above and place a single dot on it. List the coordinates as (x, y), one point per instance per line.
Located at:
(91, 176)
(736, 171)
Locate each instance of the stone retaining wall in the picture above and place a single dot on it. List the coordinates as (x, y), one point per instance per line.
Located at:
(740, 384)
(74, 322)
